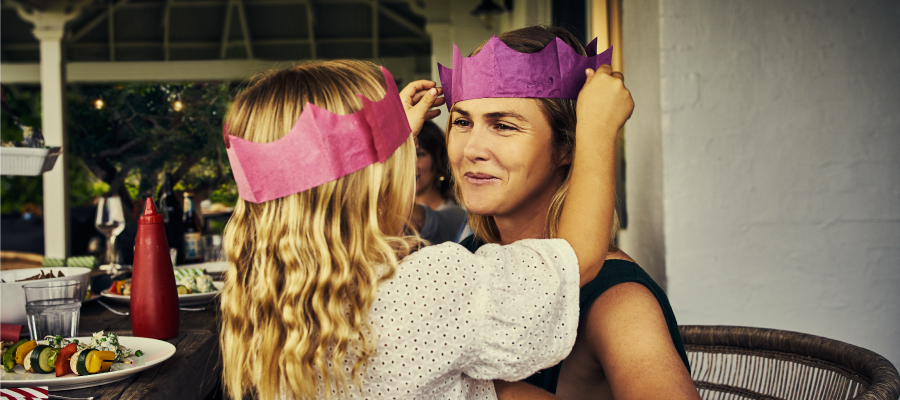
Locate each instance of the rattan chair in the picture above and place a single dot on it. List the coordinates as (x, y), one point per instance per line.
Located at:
(732, 362)
(19, 260)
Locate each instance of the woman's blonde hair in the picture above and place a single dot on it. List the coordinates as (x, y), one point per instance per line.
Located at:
(560, 114)
(304, 269)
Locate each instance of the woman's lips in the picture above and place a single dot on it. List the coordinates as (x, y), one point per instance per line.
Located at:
(480, 178)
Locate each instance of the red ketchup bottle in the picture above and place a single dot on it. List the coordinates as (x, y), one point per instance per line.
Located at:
(154, 300)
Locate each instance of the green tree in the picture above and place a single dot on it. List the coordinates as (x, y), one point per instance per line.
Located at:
(140, 133)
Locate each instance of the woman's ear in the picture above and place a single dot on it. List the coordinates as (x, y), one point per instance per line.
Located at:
(566, 159)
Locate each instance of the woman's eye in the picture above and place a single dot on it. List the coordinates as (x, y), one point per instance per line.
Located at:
(461, 123)
(504, 127)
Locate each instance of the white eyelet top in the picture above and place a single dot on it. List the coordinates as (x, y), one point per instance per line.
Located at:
(450, 321)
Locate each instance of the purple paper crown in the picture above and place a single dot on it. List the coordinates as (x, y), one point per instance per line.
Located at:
(321, 147)
(557, 71)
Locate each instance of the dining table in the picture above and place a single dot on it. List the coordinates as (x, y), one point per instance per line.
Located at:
(193, 372)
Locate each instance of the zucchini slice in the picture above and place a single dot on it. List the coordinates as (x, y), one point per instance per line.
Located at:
(81, 366)
(47, 360)
(38, 359)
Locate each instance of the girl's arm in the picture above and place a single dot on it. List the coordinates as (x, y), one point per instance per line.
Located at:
(604, 104)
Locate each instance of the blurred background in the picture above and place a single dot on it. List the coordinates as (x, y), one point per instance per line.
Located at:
(760, 172)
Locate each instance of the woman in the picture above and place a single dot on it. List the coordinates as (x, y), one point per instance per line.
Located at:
(323, 298)
(441, 217)
(511, 159)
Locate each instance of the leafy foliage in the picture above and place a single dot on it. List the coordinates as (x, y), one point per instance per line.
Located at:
(127, 145)
(138, 135)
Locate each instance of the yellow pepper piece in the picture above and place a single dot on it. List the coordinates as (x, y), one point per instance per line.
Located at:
(96, 360)
(23, 351)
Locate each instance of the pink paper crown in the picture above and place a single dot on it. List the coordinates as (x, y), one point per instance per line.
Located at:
(320, 148)
(557, 71)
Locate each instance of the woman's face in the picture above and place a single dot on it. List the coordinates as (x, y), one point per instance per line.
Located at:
(501, 153)
(425, 175)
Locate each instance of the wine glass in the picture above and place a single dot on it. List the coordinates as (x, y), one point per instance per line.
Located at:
(110, 221)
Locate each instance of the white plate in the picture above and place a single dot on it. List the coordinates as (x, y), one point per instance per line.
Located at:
(183, 299)
(155, 352)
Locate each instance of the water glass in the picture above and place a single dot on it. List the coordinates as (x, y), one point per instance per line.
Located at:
(53, 308)
(212, 248)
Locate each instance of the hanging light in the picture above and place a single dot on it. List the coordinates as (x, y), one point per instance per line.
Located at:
(487, 10)
(98, 103)
(178, 105)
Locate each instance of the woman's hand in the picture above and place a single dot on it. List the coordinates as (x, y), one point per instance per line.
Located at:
(604, 102)
(418, 98)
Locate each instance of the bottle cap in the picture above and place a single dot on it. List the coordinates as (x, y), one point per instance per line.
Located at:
(150, 215)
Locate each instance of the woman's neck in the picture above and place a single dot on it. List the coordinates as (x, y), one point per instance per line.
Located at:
(430, 198)
(521, 226)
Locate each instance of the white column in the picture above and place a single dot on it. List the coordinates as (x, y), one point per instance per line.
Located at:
(49, 29)
(56, 182)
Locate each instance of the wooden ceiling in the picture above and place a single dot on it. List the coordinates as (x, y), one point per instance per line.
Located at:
(189, 30)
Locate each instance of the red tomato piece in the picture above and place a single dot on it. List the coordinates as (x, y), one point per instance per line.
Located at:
(62, 360)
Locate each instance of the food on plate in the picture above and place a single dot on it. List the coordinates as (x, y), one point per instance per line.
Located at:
(90, 361)
(42, 275)
(188, 280)
(64, 356)
(62, 360)
(9, 356)
(38, 360)
(121, 287)
(193, 281)
(23, 351)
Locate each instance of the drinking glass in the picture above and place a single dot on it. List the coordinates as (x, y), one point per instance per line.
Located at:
(53, 308)
(110, 221)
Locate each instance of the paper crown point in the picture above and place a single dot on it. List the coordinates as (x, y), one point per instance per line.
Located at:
(556, 71)
(320, 147)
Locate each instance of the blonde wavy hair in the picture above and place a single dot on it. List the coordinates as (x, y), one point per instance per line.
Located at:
(304, 269)
(560, 114)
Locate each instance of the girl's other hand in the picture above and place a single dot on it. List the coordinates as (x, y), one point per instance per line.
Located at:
(418, 98)
(604, 102)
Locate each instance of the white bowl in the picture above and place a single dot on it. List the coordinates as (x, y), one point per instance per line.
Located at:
(12, 306)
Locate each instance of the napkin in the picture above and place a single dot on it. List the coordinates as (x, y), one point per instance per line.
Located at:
(10, 332)
(36, 393)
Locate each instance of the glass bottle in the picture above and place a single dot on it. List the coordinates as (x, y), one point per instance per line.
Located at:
(193, 231)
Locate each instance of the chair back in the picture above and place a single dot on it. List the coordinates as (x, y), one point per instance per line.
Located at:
(732, 362)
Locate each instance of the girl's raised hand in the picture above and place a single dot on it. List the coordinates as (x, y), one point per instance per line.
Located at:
(418, 98)
(604, 102)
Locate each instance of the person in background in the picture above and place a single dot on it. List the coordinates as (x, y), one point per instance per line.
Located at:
(512, 160)
(441, 218)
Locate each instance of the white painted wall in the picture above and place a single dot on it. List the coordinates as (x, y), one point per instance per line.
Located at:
(643, 239)
(779, 130)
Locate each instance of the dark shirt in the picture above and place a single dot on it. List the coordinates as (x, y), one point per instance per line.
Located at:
(613, 273)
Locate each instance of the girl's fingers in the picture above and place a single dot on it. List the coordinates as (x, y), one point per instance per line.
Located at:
(413, 92)
(418, 96)
(618, 75)
(417, 114)
(432, 113)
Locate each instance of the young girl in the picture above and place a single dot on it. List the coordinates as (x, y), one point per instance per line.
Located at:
(323, 298)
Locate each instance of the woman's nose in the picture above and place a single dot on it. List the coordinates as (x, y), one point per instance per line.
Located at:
(477, 145)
